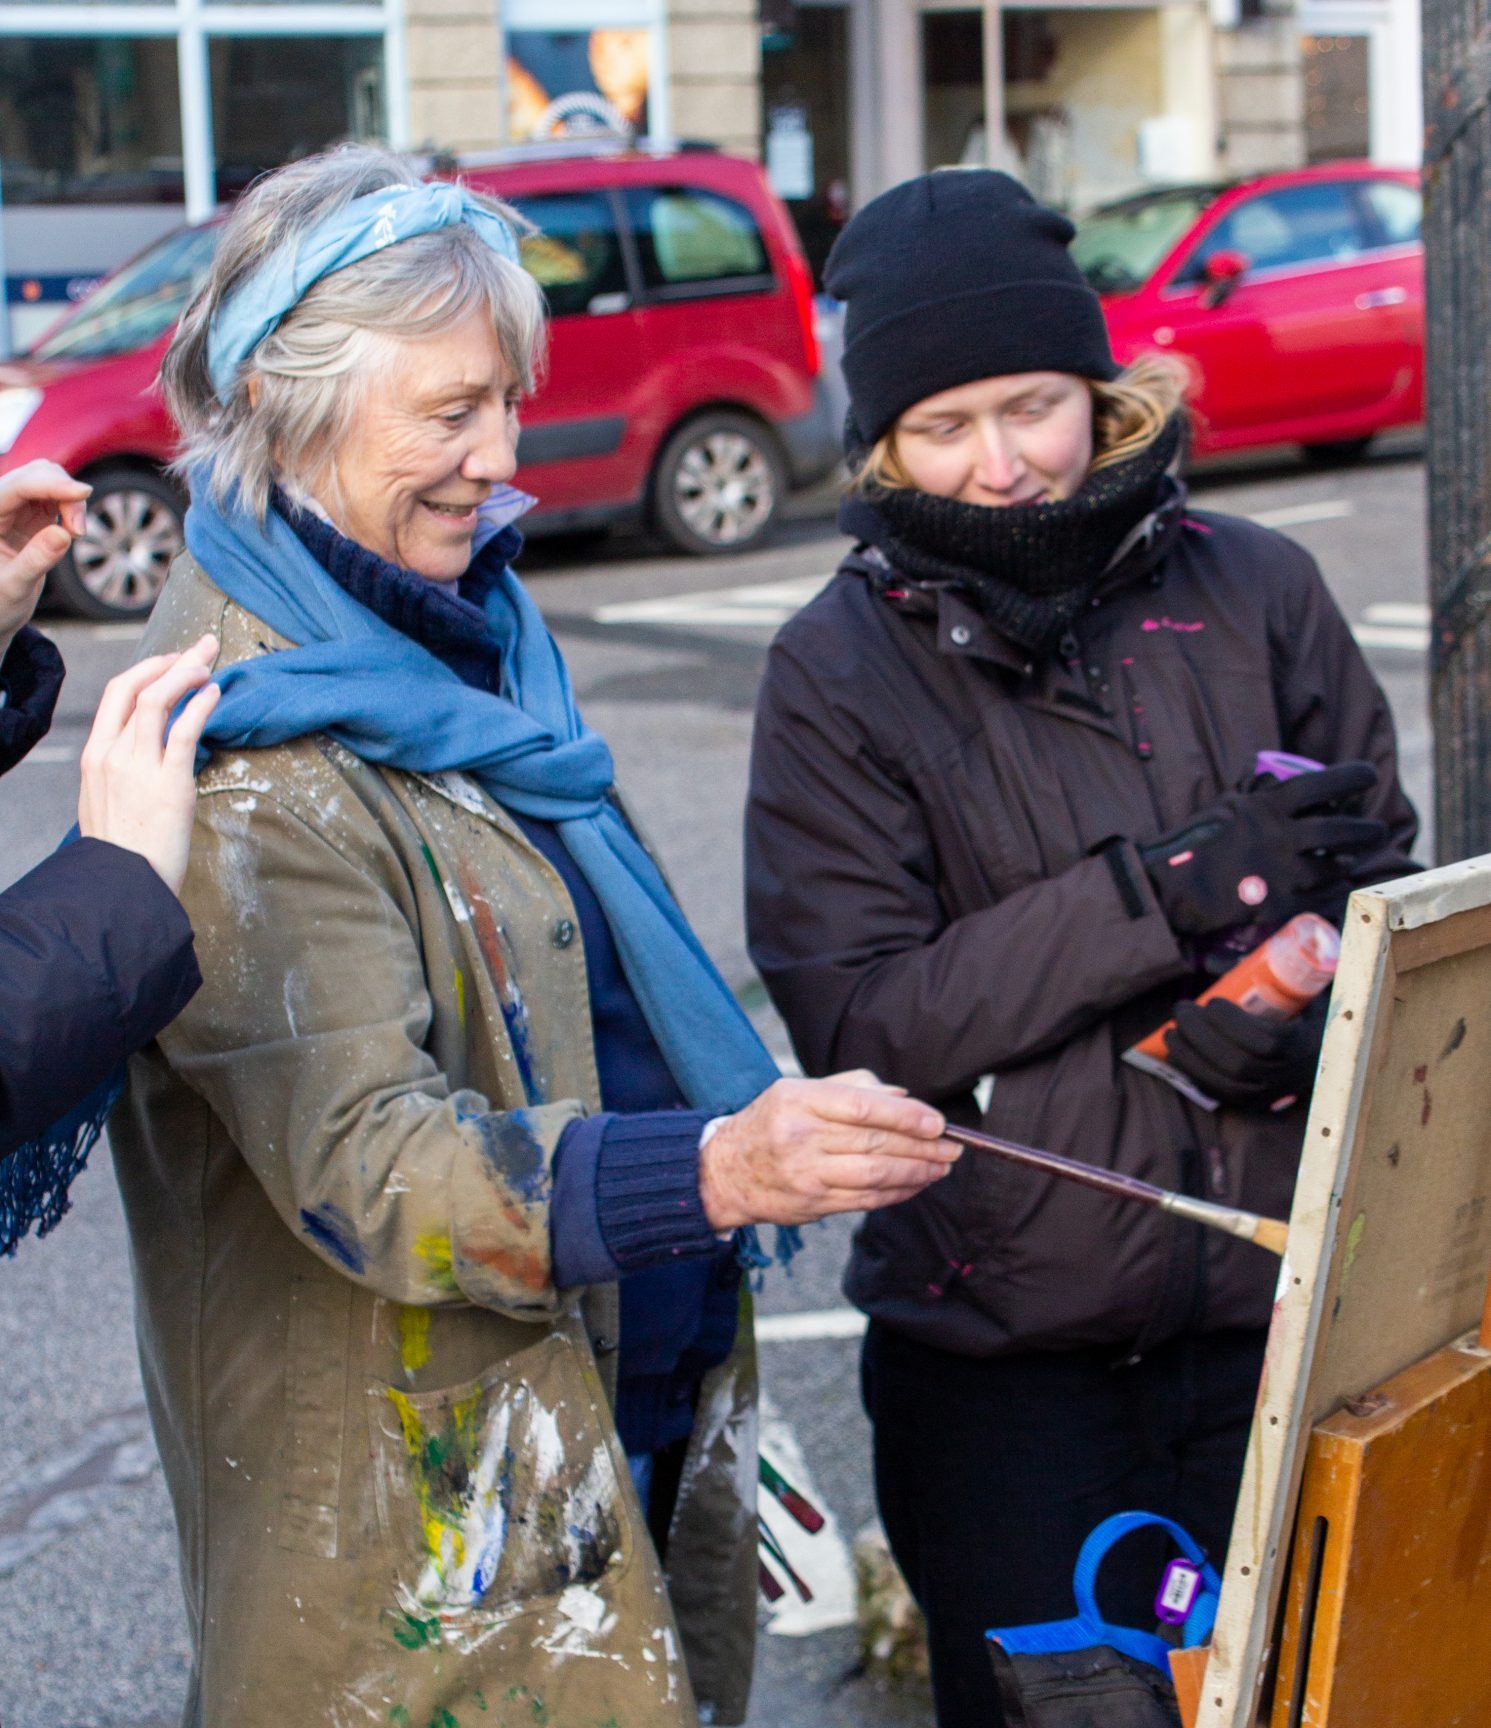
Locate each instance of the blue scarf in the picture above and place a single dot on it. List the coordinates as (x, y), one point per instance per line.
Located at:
(389, 700)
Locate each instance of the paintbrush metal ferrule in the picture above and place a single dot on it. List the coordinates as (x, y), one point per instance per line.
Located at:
(1232, 1219)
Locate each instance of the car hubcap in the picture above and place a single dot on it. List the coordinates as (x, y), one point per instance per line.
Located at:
(724, 489)
(126, 548)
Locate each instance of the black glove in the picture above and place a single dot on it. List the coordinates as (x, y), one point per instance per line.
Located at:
(1259, 856)
(1244, 1060)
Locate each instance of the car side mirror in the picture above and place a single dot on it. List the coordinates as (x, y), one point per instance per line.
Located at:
(1222, 272)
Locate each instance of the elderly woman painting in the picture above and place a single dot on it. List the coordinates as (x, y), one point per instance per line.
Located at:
(461, 1103)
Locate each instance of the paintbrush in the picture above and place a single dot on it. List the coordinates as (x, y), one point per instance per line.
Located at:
(1269, 1233)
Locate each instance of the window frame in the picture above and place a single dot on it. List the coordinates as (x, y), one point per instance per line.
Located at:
(1179, 282)
(630, 267)
(677, 293)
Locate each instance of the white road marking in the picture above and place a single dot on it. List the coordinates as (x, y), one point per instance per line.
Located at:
(45, 753)
(760, 606)
(768, 605)
(1296, 515)
(1411, 637)
(821, 1560)
(808, 1325)
(1404, 612)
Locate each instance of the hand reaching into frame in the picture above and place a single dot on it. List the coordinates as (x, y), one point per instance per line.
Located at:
(139, 788)
(42, 511)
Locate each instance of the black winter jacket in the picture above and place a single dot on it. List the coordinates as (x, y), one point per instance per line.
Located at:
(926, 899)
(95, 951)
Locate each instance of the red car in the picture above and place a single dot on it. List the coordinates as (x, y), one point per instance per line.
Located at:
(1298, 298)
(683, 386)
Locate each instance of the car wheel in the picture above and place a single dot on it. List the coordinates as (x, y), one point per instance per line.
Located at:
(719, 484)
(117, 567)
(1338, 452)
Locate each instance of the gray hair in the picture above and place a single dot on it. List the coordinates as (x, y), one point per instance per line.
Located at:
(310, 372)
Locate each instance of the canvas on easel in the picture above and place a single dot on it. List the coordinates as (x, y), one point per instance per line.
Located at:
(1390, 1234)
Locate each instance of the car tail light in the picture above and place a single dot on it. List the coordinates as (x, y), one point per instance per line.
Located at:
(800, 280)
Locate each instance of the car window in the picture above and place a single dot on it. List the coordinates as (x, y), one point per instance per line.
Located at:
(1118, 247)
(691, 240)
(576, 254)
(1316, 223)
(1397, 210)
(138, 305)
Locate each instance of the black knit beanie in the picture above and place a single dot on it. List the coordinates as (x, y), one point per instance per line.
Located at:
(955, 276)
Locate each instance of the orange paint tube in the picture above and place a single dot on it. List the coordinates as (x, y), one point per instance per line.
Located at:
(1280, 978)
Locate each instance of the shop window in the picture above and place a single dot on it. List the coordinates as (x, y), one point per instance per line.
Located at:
(556, 78)
(953, 89)
(576, 255)
(689, 241)
(275, 99)
(90, 120)
(1298, 225)
(805, 84)
(1337, 104)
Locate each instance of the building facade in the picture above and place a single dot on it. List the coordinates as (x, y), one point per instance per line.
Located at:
(121, 118)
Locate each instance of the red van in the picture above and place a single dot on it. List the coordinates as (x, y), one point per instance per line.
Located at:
(683, 386)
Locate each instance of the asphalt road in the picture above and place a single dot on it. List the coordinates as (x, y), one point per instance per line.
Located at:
(666, 653)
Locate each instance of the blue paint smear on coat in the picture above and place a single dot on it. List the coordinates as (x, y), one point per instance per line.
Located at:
(515, 1019)
(332, 1229)
(518, 1153)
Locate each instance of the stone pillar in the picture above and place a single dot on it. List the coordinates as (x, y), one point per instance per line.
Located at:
(1260, 96)
(454, 70)
(1188, 90)
(714, 73)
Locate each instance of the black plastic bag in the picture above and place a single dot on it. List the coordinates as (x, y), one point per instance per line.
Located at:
(1093, 1688)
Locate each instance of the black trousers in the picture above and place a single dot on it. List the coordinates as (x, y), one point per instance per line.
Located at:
(990, 1473)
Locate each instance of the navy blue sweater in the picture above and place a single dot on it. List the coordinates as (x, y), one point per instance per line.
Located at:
(626, 1182)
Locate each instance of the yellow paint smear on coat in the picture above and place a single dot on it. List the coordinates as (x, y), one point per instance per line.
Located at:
(432, 1456)
(433, 1247)
(461, 997)
(414, 1338)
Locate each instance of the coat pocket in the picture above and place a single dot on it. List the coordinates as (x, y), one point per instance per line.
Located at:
(500, 1489)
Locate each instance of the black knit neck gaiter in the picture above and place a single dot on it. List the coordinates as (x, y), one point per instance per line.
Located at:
(1031, 568)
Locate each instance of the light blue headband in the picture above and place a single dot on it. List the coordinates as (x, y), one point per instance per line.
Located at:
(363, 227)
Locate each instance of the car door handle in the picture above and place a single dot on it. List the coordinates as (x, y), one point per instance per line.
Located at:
(601, 304)
(1381, 297)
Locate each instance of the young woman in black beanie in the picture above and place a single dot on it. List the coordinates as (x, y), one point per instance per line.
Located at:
(1006, 817)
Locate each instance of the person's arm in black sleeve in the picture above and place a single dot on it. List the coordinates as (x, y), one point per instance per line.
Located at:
(30, 679)
(1332, 708)
(847, 928)
(96, 958)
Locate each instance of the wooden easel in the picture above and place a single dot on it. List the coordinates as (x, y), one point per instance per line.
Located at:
(1389, 1595)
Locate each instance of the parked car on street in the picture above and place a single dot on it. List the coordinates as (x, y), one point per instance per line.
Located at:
(683, 387)
(1297, 297)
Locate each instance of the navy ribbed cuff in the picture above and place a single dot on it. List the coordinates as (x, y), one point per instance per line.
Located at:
(647, 1189)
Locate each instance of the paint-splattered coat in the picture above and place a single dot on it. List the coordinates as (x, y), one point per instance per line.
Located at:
(398, 1487)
